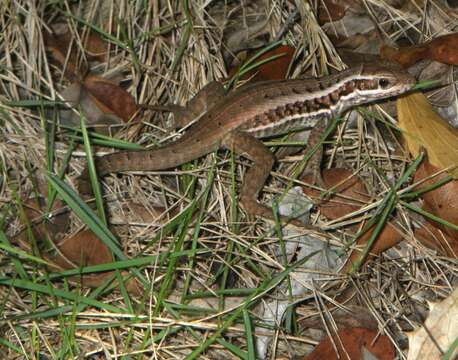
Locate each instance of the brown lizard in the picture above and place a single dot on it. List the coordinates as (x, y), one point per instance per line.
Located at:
(236, 121)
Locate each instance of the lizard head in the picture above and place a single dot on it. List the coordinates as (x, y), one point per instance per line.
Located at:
(378, 82)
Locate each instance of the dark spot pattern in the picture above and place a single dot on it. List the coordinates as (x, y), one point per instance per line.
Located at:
(347, 89)
(334, 97)
(308, 106)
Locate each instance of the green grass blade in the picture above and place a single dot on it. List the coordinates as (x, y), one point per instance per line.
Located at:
(185, 36)
(429, 215)
(11, 346)
(93, 173)
(426, 84)
(20, 253)
(34, 103)
(196, 232)
(233, 349)
(6, 245)
(68, 295)
(450, 350)
(87, 215)
(170, 273)
(104, 34)
(249, 335)
(381, 215)
(107, 142)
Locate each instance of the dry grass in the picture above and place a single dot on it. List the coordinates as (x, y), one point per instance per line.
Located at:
(393, 288)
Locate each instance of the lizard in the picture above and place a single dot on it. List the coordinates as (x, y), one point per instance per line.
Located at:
(238, 120)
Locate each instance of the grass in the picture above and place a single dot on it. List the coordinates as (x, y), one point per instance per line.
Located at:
(205, 268)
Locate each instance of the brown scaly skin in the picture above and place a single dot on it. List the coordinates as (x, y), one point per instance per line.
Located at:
(237, 120)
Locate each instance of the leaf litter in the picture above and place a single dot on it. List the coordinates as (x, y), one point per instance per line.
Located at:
(110, 60)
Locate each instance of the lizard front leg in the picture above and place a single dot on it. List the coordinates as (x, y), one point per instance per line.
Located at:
(313, 167)
(248, 146)
(205, 99)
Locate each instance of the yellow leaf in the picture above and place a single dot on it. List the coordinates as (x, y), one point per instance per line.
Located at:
(423, 127)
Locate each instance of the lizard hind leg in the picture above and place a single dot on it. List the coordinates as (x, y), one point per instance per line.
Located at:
(248, 146)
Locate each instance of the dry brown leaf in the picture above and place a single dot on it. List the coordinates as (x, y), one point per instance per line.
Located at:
(431, 237)
(441, 202)
(349, 193)
(440, 329)
(85, 249)
(388, 237)
(349, 317)
(443, 49)
(103, 102)
(78, 97)
(350, 343)
(110, 97)
(276, 69)
(332, 10)
(243, 25)
(72, 251)
(424, 128)
(445, 95)
(58, 46)
(406, 56)
(56, 225)
(80, 249)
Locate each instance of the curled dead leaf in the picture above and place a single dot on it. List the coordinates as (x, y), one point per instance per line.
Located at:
(55, 225)
(351, 342)
(443, 49)
(445, 95)
(243, 25)
(110, 97)
(404, 56)
(103, 102)
(85, 249)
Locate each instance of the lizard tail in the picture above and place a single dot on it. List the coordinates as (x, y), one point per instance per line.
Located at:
(166, 157)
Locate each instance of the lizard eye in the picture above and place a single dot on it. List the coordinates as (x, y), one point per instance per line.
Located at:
(384, 83)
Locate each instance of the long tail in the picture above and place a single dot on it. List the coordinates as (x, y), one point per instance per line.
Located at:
(166, 157)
